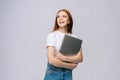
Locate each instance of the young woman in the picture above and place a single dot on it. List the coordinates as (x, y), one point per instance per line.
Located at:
(59, 66)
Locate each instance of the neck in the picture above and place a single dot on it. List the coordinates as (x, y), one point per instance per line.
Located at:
(63, 30)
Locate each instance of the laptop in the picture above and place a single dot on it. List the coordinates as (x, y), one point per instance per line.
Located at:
(70, 45)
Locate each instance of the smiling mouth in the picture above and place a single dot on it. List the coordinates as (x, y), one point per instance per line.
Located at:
(62, 22)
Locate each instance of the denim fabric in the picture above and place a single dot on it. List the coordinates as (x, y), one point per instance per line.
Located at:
(56, 73)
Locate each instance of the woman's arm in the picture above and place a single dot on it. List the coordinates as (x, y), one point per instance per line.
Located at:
(52, 59)
(72, 58)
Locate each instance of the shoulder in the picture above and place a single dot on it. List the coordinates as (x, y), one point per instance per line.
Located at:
(52, 34)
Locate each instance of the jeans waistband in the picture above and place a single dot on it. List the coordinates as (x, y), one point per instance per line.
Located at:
(58, 68)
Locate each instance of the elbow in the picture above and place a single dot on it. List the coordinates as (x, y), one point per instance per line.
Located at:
(80, 60)
(52, 62)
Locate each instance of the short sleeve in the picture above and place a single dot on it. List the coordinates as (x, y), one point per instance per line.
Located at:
(50, 40)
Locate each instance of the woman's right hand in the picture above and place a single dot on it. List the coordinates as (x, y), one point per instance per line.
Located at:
(73, 65)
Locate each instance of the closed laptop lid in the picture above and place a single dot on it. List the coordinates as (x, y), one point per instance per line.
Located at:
(70, 45)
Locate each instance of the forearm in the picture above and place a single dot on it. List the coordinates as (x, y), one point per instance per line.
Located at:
(58, 63)
(72, 58)
(52, 59)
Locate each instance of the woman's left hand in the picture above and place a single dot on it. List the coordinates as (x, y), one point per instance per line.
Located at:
(61, 57)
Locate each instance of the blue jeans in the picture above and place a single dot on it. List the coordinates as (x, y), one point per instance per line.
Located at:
(57, 73)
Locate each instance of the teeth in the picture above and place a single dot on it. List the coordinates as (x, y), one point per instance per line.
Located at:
(61, 22)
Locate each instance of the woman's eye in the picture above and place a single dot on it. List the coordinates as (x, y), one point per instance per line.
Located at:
(58, 16)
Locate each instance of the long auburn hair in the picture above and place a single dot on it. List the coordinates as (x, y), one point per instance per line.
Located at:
(69, 26)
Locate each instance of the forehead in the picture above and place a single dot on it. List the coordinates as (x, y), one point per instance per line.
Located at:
(62, 13)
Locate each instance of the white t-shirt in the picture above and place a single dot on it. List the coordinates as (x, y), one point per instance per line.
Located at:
(55, 39)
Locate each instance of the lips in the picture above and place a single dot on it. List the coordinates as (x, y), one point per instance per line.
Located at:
(61, 22)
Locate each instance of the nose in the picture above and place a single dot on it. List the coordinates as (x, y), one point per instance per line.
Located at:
(60, 18)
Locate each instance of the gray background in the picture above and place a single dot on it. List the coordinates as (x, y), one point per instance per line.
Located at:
(24, 25)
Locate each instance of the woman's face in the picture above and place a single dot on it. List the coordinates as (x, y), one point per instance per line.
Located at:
(62, 19)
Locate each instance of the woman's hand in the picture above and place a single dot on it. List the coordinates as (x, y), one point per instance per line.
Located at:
(64, 59)
(73, 66)
(55, 61)
(71, 58)
(61, 57)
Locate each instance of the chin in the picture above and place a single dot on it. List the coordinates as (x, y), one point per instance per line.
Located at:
(62, 26)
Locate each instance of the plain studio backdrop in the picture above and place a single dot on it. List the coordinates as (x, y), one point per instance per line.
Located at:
(25, 24)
